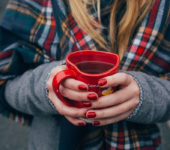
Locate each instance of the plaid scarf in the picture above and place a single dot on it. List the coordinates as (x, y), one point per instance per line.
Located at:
(32, 32)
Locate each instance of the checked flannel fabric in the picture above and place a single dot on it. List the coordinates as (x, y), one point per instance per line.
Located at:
(34, 37)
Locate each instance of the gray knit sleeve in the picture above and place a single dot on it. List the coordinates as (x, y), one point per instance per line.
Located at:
(27, 93)
(154, 103)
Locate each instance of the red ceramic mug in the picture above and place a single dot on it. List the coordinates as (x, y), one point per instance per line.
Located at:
(87, 66)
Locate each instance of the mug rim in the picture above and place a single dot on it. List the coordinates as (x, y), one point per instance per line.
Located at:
(108, 72)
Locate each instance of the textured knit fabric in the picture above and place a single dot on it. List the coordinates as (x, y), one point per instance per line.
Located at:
(32, 34)
(32, 97)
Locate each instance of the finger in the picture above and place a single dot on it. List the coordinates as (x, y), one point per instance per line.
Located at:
(116, 98)
(52, 74)
(102, 122)
(75, 84)
(76, 121)
(77, 95)
(115, 80)
(113, 111)
(64, 109)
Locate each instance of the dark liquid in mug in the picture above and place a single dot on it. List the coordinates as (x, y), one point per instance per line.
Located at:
(94, 67)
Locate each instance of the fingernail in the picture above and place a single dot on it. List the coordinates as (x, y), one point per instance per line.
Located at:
(91, 115)
(82, 87)
(102, 82)
(87, 104)
(81, 124)
(92, 96)
(96, 123)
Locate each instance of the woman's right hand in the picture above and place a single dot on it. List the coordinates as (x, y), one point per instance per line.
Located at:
(74, 90)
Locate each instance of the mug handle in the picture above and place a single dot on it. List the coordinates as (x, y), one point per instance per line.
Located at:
(58, 78)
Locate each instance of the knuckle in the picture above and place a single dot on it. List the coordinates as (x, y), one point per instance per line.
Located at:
(61, 110)
(136, 90)
(101, 114)
(98, 104)
(95, 105)
(48, 85)
(125, 77)
(136, 102)
(75, 114)
(53, 72)
(124, 109)
(81, 96)
(128, 78)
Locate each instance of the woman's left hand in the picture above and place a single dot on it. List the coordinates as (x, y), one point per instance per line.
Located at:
(118, 105)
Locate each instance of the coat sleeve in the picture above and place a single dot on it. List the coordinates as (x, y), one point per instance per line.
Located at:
(22, 79)
(22, 59)
(154, 103)
(27, 93)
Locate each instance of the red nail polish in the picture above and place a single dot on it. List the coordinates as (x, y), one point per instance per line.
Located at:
(82, 87)
(81, 124)
(96, 123)
(102, 82)
(91, 115)
(87, 104)
(92, 96)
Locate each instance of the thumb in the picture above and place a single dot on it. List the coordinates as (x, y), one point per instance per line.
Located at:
(115, 80)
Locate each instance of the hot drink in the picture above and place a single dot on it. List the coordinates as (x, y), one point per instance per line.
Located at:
(94, 67)
(89, 67)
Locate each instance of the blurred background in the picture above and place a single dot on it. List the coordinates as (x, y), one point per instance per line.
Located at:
(14, 136)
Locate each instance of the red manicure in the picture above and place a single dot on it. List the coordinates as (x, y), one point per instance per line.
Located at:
(96, 123)
(92, 96)
(81, 124)
(87, 104)
(82, 87)
(91, 115)
(102, 82)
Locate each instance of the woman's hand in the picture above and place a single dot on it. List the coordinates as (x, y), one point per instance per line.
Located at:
(118, 105)
(74, 90)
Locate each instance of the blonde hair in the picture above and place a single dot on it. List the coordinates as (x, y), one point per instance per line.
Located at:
(120, 33)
